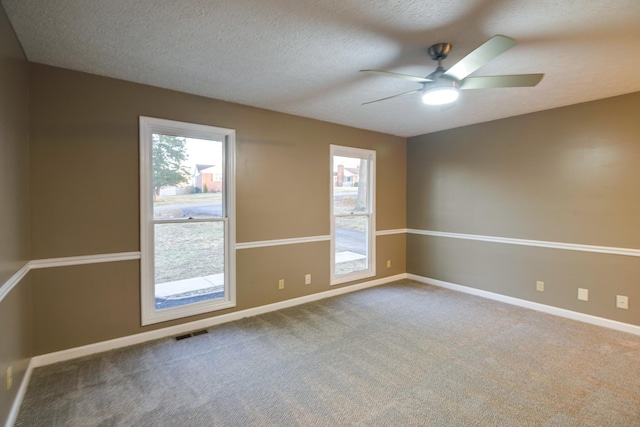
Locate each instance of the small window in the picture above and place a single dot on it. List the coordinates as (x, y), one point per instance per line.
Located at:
(352, 214)
(187, 221)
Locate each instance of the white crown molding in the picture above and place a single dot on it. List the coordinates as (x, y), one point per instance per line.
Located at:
(561, 312)
(537, 243)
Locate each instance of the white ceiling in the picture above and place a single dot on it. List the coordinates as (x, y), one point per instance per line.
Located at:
(302, 56)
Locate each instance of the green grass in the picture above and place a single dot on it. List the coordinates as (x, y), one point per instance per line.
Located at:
(188, 250)
(355, 222)
(345, 204)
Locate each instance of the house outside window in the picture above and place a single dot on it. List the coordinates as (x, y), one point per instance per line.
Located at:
(352, 213)
(187, 220)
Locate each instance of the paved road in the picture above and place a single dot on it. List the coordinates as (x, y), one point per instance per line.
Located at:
(175, 302)
(351, 240)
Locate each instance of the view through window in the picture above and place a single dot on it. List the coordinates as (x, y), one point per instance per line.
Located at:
(188, 237)
(352, 213)
(186, 231)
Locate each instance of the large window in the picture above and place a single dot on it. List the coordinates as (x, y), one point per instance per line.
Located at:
(186, 219)
(352, 214)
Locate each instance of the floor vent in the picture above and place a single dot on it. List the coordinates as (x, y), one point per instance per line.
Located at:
(192, 334)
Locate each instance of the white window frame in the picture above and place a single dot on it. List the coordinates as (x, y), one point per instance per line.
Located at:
(149, 126)
(337, 150)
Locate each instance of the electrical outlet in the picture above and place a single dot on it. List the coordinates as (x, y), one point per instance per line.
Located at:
(388, 263)
(307, 279)
(540, 286)
(9, 377)
(281, 284)
(583, 294)
(622, 301)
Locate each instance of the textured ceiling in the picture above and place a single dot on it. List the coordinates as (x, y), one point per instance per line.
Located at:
(302, 56)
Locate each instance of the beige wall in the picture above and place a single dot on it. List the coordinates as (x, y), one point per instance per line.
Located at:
(15, 333)
(84, 157)
(567, 175)
(14, 152)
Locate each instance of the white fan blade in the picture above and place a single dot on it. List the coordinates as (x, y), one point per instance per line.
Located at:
(394, 96)
(490, 49)
(398, 76)
(487, 82)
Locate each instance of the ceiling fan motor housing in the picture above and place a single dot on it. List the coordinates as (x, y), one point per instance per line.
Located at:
(443, 82)
(439, 51)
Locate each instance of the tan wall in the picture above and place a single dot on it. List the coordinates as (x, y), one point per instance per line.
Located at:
(85, 147)
(16, 341)
(15, 333)
(14, 153)
(567, 175)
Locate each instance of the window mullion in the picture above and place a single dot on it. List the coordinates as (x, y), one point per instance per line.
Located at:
(351, 215)
(187, 220)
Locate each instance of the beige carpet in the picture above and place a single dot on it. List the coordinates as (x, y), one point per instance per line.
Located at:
(403, 354)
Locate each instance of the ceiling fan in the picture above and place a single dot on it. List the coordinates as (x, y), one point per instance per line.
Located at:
(442, 86)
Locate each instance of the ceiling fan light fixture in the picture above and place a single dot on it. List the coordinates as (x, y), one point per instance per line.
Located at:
(440, 95)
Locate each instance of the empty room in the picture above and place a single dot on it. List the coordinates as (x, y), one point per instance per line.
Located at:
(234, 213)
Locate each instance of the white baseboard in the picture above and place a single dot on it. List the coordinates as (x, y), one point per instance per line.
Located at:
(17, 402)
(73, 353)
(60, 356)
(586, 318)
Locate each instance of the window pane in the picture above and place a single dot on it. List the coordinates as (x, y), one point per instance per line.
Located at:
(189, 263)
(188, 177)
(351, 253)
(350, 185)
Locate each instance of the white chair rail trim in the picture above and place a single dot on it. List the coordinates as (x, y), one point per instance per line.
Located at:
(126, 256)
(536, 243)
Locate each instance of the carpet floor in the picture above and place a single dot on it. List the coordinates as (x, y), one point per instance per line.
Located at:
(403, 354)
